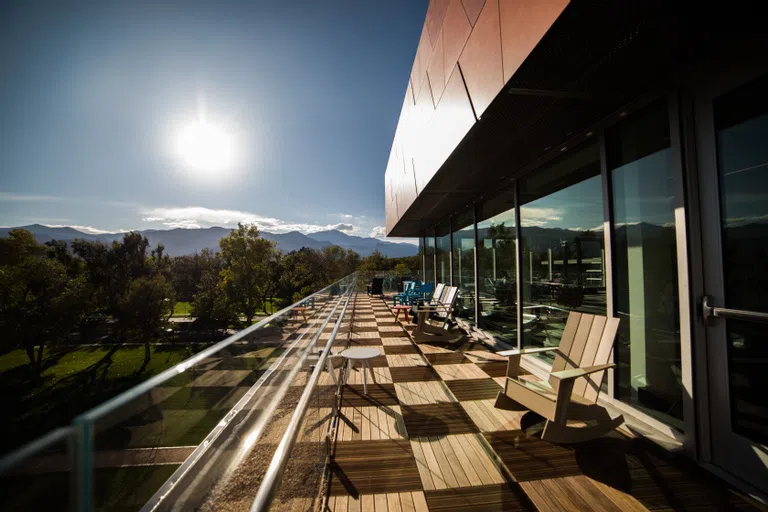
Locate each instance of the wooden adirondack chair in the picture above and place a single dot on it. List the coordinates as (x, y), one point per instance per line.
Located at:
(573, 386)
(435, 330)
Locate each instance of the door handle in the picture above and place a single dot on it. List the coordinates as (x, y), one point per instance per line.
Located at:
(709, 311)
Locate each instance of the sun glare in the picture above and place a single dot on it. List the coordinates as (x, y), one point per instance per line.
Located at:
(205, 147)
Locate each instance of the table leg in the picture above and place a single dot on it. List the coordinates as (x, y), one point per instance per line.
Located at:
(365, 379)
(405, 315)
(349, 370)
(397, 314)
(329, 364)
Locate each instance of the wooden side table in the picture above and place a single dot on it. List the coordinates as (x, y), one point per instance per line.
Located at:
(361, 355)
(404, 308)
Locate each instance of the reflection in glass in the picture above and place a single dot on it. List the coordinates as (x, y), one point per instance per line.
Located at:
(429, 259)
(464, 264)
(443, 251)
(639, 157)
(563, 256)
(496, 268)
(741, 123)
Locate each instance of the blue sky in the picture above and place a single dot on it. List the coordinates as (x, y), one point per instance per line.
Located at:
(96, 97)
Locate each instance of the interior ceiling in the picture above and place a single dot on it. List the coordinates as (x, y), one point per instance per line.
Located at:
(596, 58)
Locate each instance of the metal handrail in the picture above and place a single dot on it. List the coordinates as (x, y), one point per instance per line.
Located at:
(242, 405)
(276, 467)
(710, 311)
(83, 425)
(136, 391)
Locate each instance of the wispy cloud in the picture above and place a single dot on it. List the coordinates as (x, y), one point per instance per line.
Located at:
(86, 229)
(539, 216)
(7, 196)
(190, 217)
(378, 232)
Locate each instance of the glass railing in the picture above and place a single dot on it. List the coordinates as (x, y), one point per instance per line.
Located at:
(201, 434)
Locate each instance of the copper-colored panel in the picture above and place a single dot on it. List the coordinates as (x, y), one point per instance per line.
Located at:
(423, 52)
(473, 8)
(456, 30)
(435, 16)
(436, 70)
(481, 59)
(523, 24)
(452, 120)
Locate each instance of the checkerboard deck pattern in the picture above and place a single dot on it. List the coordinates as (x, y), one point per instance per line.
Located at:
(428, 437)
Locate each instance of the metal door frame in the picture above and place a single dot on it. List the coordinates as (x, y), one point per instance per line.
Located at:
(717, 441)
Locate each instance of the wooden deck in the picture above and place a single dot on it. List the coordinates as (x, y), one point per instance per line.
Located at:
(427, 437)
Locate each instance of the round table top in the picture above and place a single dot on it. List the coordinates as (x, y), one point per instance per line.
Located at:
(402, 306)
(360, 353)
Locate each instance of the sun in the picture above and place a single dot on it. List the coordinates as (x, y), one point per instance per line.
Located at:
(205, 147)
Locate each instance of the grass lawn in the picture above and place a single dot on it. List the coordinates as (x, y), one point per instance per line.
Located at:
(182, 309)
(66, 388)
(116, 489)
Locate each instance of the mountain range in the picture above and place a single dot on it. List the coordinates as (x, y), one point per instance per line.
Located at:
(180, 241)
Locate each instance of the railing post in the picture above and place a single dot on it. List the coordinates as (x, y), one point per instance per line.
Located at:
(82, 466)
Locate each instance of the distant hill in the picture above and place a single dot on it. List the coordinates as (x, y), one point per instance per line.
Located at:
(179, 241)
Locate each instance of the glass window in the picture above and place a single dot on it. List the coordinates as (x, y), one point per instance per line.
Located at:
(443, 251)
(639, 159)
(497, 271)
(741, 124)
(563, 256)
(464, 263)
(429, 259)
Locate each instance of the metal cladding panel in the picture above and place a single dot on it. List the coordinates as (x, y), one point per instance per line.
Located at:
(452, 120)
(481, 59)
(456, 30)
(436, 70)
(523, 24)
(435, 16)
(419, 71)
(473, 8)
(421, 137)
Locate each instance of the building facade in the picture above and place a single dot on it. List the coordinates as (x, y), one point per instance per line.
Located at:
(608, 158)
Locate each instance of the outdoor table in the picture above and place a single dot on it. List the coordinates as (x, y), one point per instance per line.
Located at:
(361, 355)
(302, 310)
(404, 308)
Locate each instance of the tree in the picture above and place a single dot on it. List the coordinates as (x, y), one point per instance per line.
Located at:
(246, 256)
(401, 269)
(187, 272)
(145, 307)
(210, 305)
(40, 302)
(375, 261)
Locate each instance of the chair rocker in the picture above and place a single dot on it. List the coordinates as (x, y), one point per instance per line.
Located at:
(433, 324)
(573, 386)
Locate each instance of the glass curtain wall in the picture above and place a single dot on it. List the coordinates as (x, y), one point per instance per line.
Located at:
(497, 269)
(741, 124)
(464, 263)
(563, 256)
(429, 259)
(443, 251)
(640, 163)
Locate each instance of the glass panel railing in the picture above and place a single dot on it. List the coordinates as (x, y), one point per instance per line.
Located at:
(38, 476)
(196, 436)
(294, 479)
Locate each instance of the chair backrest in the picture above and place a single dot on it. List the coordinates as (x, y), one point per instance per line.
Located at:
(587, 341)
(438, 293)
(409, 286)
(448, 301)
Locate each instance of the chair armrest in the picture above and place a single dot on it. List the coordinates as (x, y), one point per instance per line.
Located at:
(575, 373)
(514, 352)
